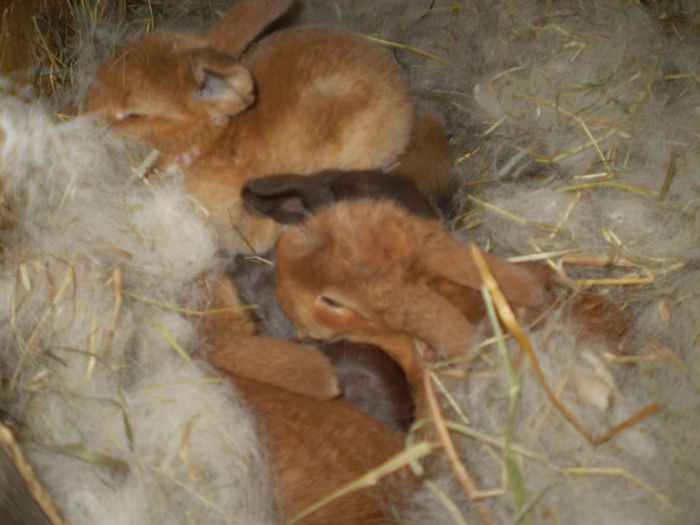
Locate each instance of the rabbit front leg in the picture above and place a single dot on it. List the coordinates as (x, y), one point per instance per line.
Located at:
(291, 366)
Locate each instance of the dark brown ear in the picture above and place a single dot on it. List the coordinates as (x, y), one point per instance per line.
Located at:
(243, 22)
(288, 199)
(221, 83)
(387, 186)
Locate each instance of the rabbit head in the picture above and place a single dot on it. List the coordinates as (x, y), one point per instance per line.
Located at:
(174, 91)
(255, 279)
(362, 270)
(170, 91)
(371, 381)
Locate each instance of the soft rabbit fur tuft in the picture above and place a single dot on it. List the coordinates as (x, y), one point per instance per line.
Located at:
(90, 366)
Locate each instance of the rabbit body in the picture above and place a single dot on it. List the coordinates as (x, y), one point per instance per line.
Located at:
(316, 447)
(301, 100)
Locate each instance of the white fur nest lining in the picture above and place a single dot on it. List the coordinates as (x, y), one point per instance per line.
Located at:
(579, 120)
(123, 428)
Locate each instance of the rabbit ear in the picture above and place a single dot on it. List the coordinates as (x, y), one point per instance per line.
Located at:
(220, 82)
(448, 258)
(379, 185)
(242, 23)
(288, 199)
(292, 198)
(429, 317)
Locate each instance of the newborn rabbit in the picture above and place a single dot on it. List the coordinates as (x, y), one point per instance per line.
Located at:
(300, 100)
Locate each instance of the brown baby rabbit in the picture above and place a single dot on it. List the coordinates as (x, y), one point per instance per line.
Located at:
(300, 100)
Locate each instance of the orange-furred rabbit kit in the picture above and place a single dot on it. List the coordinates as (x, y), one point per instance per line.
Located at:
(300, 100)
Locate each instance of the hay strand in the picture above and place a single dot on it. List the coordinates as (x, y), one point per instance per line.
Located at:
(508, 318)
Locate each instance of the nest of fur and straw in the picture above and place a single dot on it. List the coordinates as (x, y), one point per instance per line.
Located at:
(588, 176)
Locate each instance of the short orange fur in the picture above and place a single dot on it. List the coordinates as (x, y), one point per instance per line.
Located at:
(299, 101)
